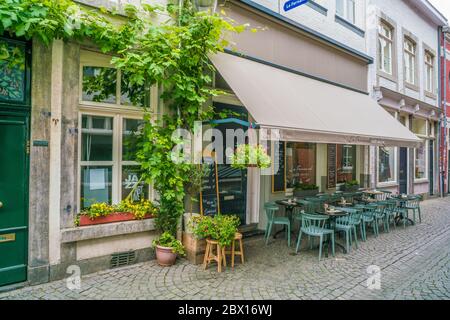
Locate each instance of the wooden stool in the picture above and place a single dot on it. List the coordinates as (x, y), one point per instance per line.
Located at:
(233, 252)
(219, 257)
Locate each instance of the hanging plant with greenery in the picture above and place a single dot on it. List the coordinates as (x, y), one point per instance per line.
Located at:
(171, 54)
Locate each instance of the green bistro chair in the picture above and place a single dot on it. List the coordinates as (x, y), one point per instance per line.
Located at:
(413, 204)
(271, 208)
(317, 203)
(380, 215)
(348, 196)
(368, 218)
(347, 225)
(390, 212)
(313, 225)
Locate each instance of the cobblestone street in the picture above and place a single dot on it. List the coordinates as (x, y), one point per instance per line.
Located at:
(414, 262)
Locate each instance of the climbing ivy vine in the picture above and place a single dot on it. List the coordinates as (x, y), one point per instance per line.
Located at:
(172, 54)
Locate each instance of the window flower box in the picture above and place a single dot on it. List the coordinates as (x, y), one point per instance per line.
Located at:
(110, 218)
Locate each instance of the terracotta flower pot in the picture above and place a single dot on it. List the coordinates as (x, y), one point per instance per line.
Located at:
(165, 256)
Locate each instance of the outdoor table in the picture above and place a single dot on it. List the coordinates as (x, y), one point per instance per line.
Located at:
(333, 215)
(402, 203)
(289, 209)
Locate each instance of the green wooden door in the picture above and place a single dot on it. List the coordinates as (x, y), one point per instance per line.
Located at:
(13, 198)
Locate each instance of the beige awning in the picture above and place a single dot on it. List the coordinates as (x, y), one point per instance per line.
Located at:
(308, 110)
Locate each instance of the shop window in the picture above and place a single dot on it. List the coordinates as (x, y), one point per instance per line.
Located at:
(420, 162)
(387, 164)
(108, 155)
(12, 71)
(345, 163)
(300, 164)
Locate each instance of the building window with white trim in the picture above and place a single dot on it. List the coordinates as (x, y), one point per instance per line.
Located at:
(346, 9)
(111, 118)
(386, 164)
(429, 72)
(420, 162)
(385, 45)
(410, 61)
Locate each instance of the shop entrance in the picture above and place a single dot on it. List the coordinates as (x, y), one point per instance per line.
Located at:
(403, 176)
(232, 182)
(14, 124)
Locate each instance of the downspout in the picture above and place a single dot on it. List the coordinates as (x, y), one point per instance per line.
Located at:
(444, 88)
(439, 149)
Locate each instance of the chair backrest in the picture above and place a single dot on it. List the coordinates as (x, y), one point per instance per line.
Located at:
(316, 203)
(270, 208)
(413, 202)
(348, 196)
(313, 220)
(308, 206)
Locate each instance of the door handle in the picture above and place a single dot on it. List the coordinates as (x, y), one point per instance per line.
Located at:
(1, 204)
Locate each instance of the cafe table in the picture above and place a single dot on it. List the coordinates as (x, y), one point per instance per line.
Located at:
(402, 199)
(289, 205)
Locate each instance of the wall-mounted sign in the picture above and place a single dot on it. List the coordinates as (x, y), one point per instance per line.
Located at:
(7, 237)
(291, 4)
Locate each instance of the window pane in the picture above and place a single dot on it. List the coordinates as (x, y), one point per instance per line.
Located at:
(130, 177)
(420, 165)
(340, 7)
(351, 11)
(99, 84)
(301, 163)
(345, 163)
(130, 138)
(386, 164)
(96, 138)
(12, 71)
(133, 94)
(96, 185)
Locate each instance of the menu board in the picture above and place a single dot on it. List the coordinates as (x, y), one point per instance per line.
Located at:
(209, 193)
(331, 166)
(279, 177)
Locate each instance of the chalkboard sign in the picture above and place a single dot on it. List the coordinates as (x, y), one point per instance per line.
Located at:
(209, 193)
(331, 166)
(279, 177)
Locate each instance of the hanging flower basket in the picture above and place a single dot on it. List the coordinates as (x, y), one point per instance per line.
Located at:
(250, 156)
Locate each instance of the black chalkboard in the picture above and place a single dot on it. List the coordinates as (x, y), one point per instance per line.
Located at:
(279, 177)
(331, 166)
(209, 193)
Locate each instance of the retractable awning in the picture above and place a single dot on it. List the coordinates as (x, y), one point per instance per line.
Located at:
(304, 109)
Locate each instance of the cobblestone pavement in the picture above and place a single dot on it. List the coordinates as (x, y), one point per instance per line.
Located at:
(414, 262)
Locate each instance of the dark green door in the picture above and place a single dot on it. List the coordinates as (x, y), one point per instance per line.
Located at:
(13, 199)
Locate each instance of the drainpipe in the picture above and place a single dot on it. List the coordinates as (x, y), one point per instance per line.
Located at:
(445, 31)
(439, 148)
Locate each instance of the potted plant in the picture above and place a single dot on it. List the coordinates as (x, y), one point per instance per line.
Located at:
(221, 228)
(303, 190)
(350, 186)
(248, 155)
(167, 249)
(101, 213)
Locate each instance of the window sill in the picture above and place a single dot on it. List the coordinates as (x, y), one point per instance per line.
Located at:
(387, 184)
(430, 95)
(420, 181)
(387, 76)
(315, 6)
(106, 230)
(411, 86)
(349, 26)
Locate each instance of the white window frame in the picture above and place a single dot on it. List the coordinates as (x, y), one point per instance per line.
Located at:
(346, 10)
(118, 113)
(389, 42)
(410, 70)
(429, 72)
(392, 182)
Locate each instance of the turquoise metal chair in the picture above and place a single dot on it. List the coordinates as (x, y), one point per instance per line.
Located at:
(380, 215)
(390, 212)
(348, 225)
(313, 225)
(271, 208)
